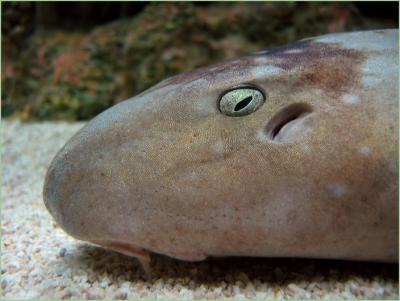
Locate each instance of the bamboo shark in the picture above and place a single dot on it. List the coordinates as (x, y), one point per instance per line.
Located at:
(288, 152)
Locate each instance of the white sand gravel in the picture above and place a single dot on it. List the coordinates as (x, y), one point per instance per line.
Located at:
(40, 261)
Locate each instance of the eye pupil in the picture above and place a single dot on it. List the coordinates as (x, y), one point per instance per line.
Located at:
(243, 103)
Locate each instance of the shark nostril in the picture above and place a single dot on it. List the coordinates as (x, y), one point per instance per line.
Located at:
(290, 124)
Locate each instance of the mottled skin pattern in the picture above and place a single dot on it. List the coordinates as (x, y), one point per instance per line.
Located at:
(167, 172)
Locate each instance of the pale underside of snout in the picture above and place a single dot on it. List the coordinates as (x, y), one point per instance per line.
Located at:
(311, 173)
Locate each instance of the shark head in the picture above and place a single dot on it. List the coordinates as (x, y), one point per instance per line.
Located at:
(286, 152)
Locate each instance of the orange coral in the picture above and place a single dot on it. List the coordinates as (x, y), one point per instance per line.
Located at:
(68, 66)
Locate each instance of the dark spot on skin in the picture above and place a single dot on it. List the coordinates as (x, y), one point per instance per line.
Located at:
(102, 174)
(363, 198)
(379, 220)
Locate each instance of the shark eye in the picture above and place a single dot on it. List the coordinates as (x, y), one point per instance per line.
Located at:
(241, 101)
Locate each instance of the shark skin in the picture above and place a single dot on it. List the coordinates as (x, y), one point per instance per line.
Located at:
(312, 173)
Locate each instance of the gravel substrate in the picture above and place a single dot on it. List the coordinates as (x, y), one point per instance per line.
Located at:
(40, 261)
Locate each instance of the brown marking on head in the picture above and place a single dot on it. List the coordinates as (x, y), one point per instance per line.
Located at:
(327, 66)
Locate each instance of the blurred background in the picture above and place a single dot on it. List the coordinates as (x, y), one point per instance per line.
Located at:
(72, 60)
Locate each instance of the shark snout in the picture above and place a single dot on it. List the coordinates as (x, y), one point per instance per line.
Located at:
(65, 179)
(97, 176)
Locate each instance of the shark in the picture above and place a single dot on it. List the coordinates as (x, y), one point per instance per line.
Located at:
(287, 152)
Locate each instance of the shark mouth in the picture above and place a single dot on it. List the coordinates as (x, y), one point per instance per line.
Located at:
(140, 254)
